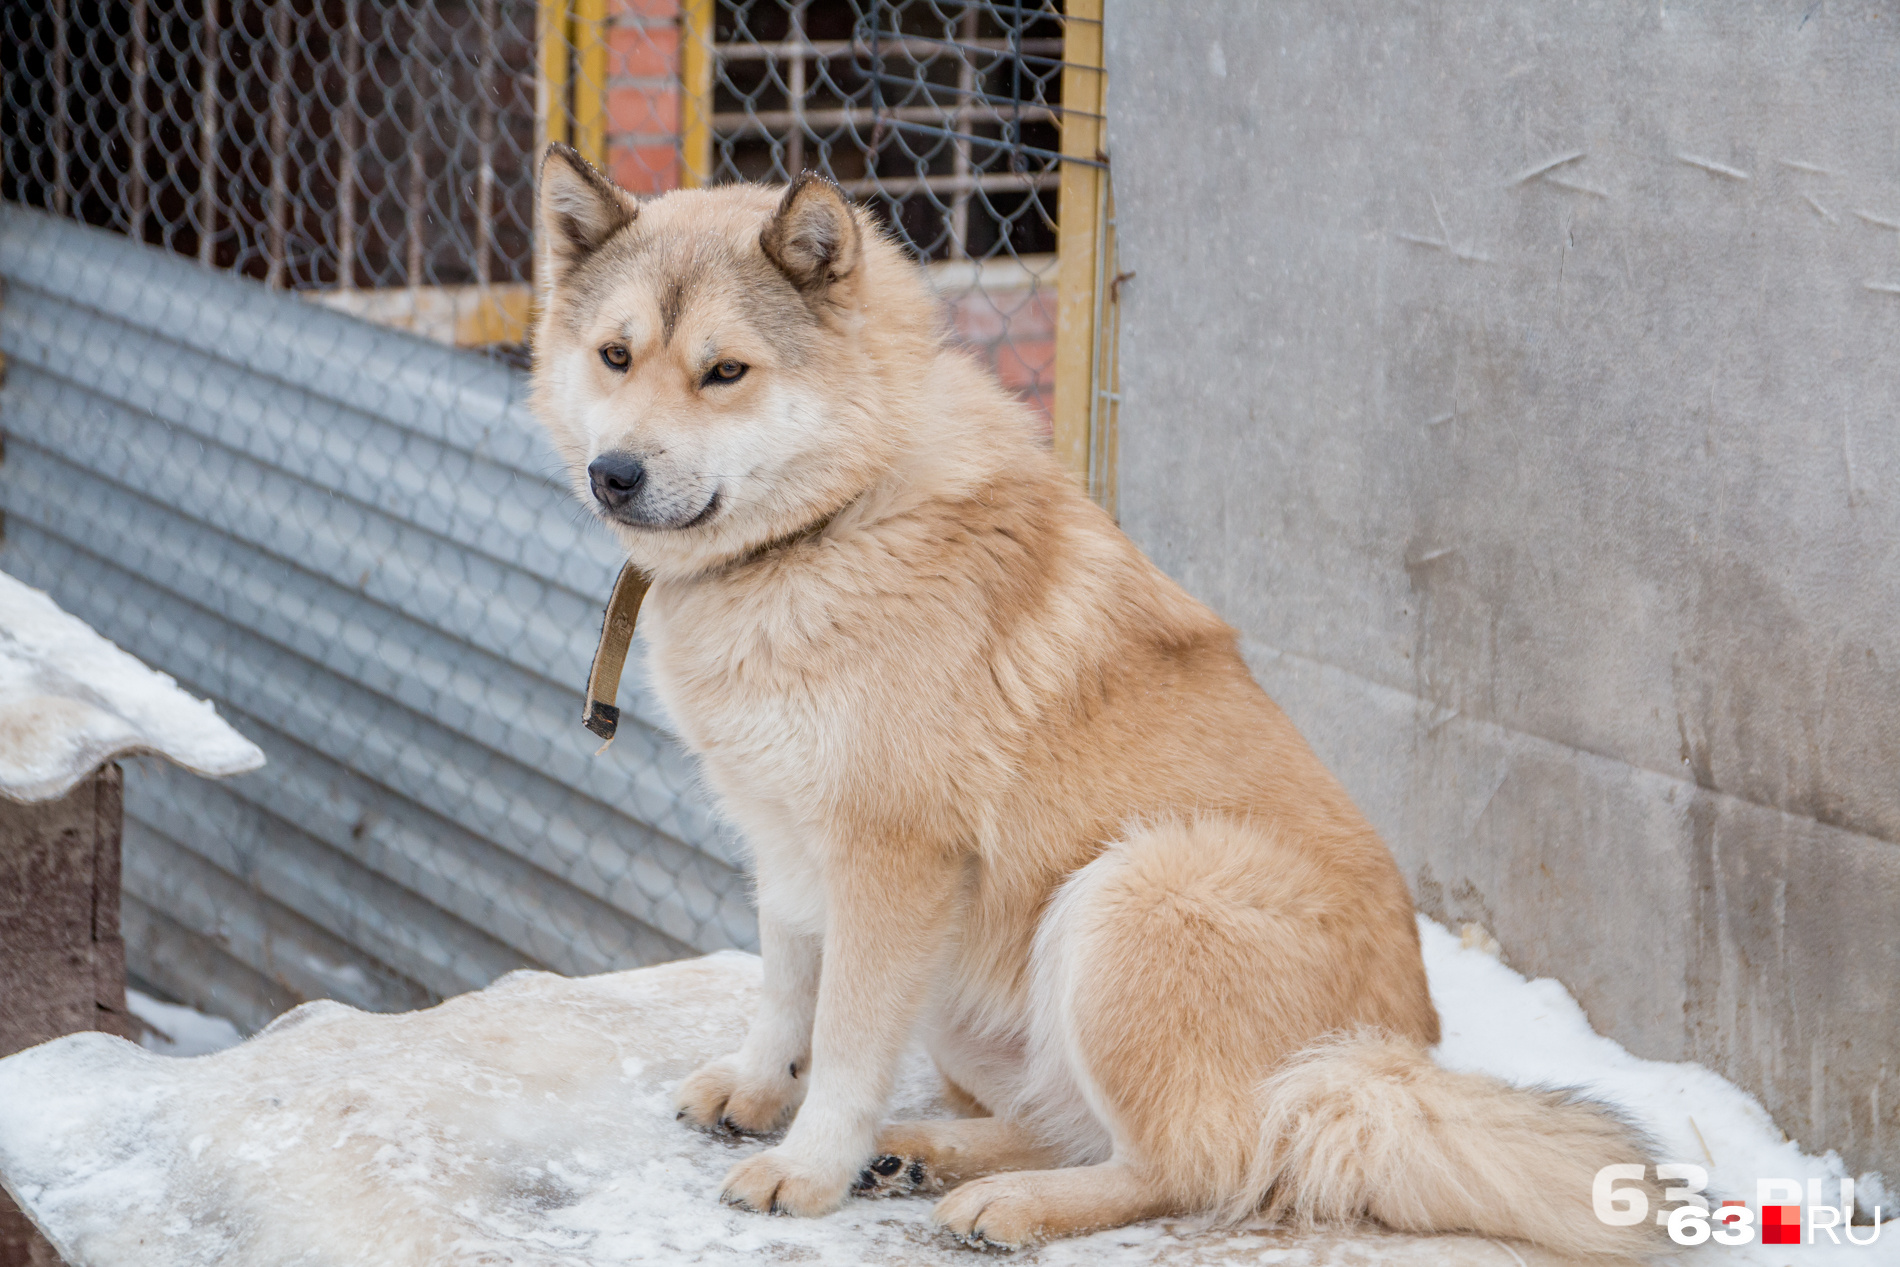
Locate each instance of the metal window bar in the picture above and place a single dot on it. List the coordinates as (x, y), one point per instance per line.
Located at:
(62, 127)
(210, 69)
(349, 141)
(955, 72)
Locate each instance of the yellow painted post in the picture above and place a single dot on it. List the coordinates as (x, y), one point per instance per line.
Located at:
(1104, 378)
(1078, 237)
(551, 86)
(589, 34)
(696, 93)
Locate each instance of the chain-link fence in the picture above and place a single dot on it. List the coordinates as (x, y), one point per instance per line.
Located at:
(379, 155)
(226, 223)
(944, 117)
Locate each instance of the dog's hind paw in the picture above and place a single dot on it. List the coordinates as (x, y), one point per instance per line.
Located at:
(893, 1176)
(992, 1213)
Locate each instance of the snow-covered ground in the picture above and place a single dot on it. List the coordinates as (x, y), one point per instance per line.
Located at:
(172, 1030)
(531, 1123)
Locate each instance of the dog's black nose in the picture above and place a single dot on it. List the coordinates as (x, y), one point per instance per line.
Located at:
(615, 478)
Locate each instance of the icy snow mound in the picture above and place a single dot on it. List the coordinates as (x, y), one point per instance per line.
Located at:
(532, 1123)
(71, 701)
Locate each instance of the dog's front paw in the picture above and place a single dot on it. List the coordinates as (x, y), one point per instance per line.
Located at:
(774, 1183)
(717, 1096)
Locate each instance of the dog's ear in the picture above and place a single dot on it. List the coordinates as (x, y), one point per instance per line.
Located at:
(579, 208)
(813, 237)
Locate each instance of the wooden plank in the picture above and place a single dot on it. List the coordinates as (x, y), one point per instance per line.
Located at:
(21, 1245)
(62, 963)
(1078, 238)
(461, 316)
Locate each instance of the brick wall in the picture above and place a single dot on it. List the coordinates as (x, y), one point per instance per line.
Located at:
(643, 95)
(1013, 328)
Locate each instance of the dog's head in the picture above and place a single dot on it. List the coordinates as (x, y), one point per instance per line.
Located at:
(701, 358)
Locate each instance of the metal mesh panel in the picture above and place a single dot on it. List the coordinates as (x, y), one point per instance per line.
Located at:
(226, 223)
(324, 145)
(943, 116)
(381, 154)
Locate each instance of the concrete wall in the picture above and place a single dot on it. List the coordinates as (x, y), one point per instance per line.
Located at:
(1520, 378)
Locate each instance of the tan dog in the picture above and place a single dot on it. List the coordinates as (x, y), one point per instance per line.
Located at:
(1007, 787)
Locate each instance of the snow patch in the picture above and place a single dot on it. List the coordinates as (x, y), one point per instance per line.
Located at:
(1533, 1033)
(532, 1123)
(71, 701)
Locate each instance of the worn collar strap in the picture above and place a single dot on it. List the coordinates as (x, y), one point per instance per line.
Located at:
(600, 713)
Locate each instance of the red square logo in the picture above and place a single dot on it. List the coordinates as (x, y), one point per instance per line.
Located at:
(1781, 1225)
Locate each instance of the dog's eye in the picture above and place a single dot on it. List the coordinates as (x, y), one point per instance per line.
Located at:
(616, 357)
(725, 372)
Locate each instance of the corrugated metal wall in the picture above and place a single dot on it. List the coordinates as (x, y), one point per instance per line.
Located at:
(356, 543)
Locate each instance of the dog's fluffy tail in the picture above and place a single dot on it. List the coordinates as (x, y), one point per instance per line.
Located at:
(1366, 1125)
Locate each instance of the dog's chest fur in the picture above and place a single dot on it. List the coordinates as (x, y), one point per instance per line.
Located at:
(766, 685)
